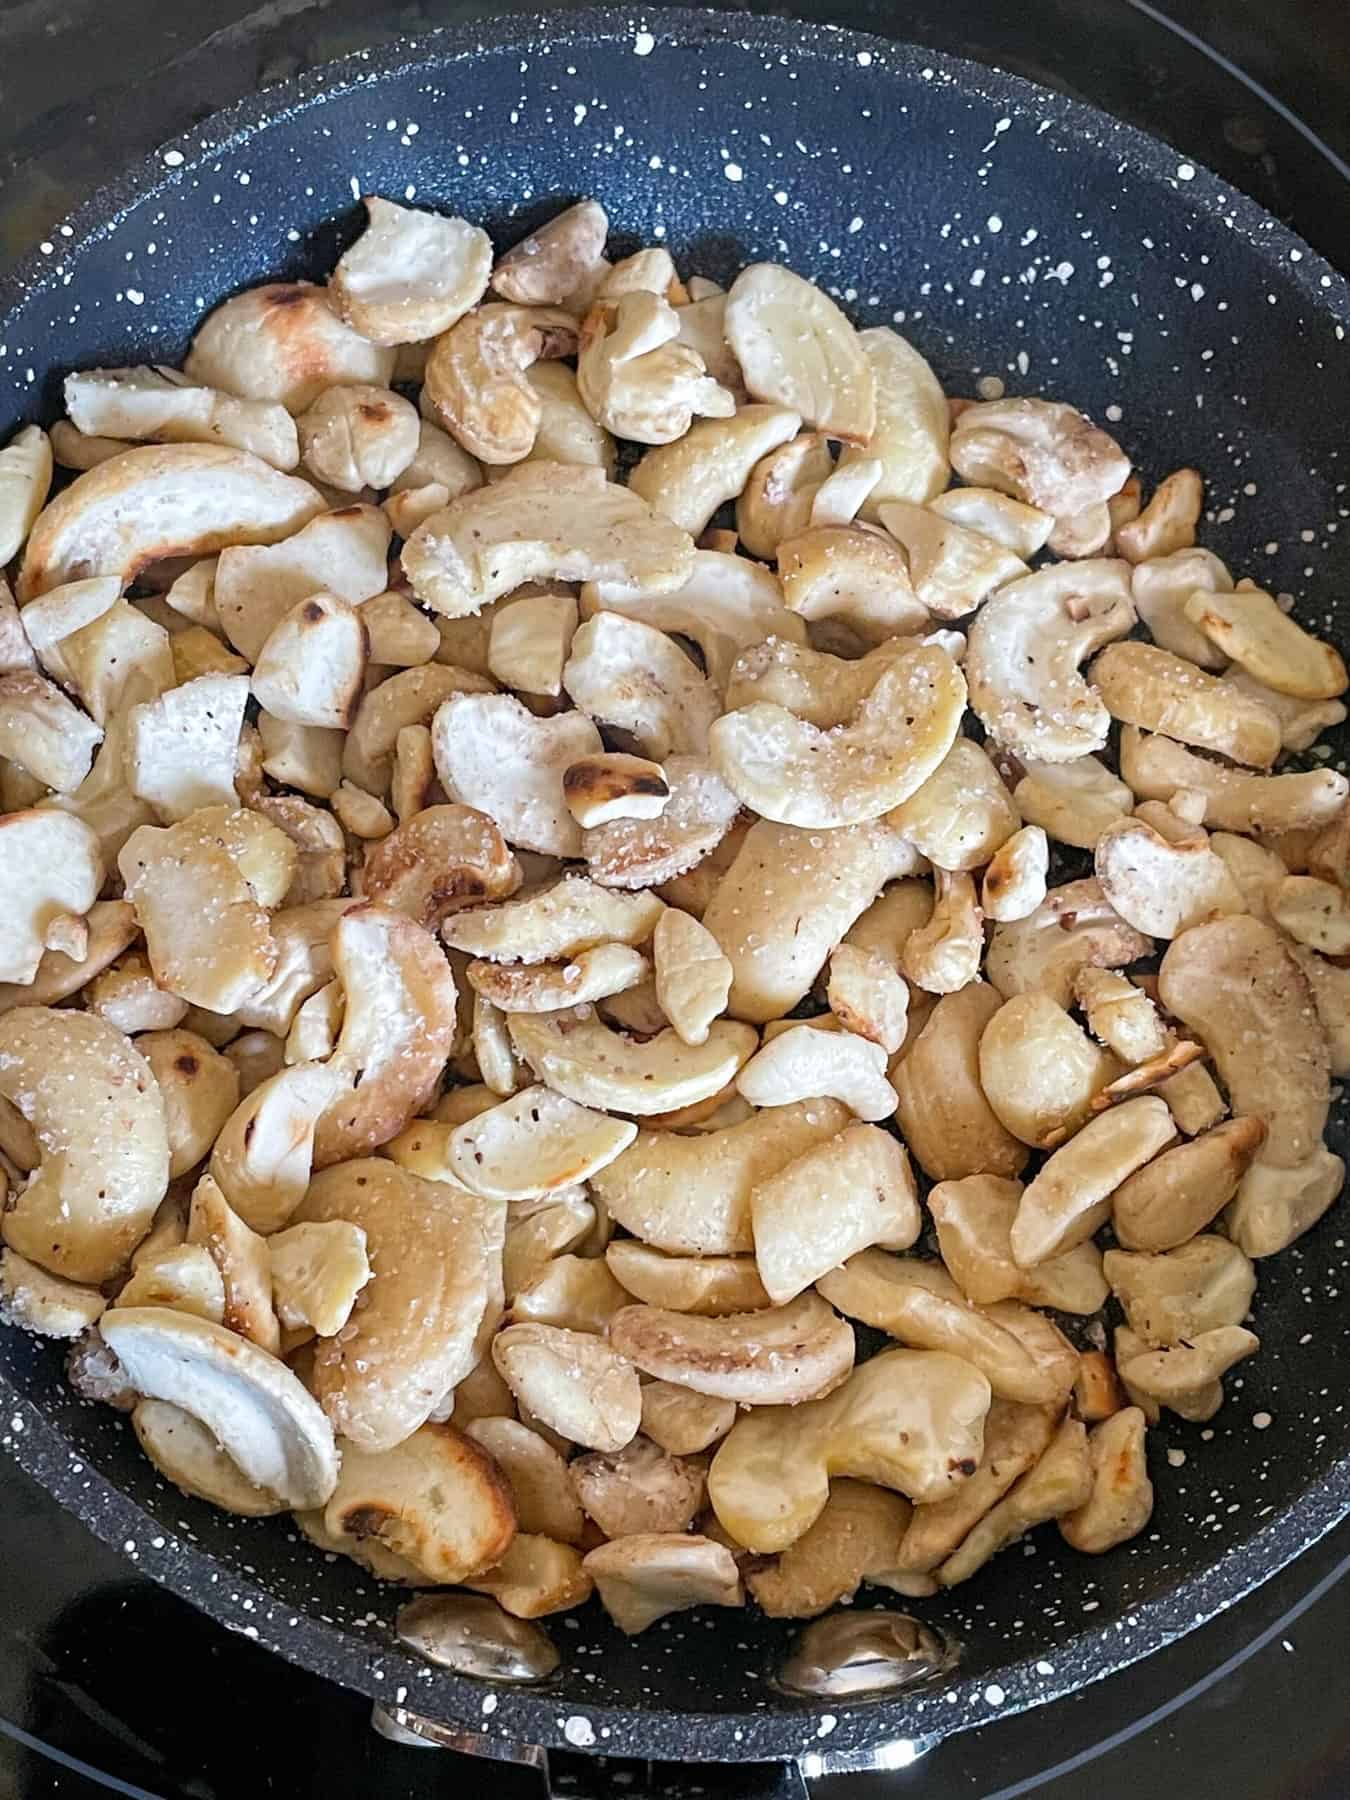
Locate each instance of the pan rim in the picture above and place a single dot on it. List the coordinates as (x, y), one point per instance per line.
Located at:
(534, 1717)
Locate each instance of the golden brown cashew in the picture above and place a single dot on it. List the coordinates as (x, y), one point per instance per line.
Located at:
(912, 1420)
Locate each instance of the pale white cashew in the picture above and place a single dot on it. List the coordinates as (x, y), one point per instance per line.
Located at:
(1073, 802)
(415, 1334)
(710, 1285)
(943, 1112)
(552, 263)
(1071, 1195)
(118, 656)
(161, 406)
(777, 1356)
(576, 1054)
(45, 733)
(1162, 888)
(317, 1273)
(264, 1154)
(829, 1204)
(571, 916)
(868, 996)
(1313, 912)
(1014, 883)
(1025, 648)
(1301, 722)
(642, 1578)
(1012, 523)
(1152, 688)
(630, 675)
(953, 569)
(410, 274)
(962, 814)
(803, 1064)
(910, 431)
(797, 349)
(1237, 987)
(475, 378)
(244, 1263)
(1249, 627)
(179, 499)
(316, 1027)
(776, 501)
(493, 754)
(126, 995)
(354, 438)
(852, 576)
(544, 522)
(341, 553)
(1039, 1069)
(285, 342)
(974, 1219)
(1155, 767)
(51, 871)
(186, 1453)
(254, 1407)
(397, 1030)
(533, 1144)
(218, 863)
(728, 605)
(575, 1383)
(1075, 927)
(943, 955)
(790, 772)
(1040, 451)
(691, 1195)
(636, 378)
(576, 1292)
(412, 697)
(1087, 533)
(181, 748)
(649, 271)
(25, 479)
(71, 449)
(688, 480)
(910, 1420)
(47, 1305)
(683, 1422)
(693, 978)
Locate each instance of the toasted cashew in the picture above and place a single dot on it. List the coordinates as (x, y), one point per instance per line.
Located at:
(856, 1538)
(775, 502)
(688, 480)
(946, 1119)
(547, 267)
(850, 576)
(642, 1578)
(1039, 1069)
(1015, 1437)
(868, 996)
(1040, 451)
(1071, 1195)
(1235, 985)
(1014, 883)
(1173, 1296)
(572, 915)
(1274, 1206)
(1121, 1502)
(576, 1054)
(1076, 927)
(1152, 688)
(1155, 767)
(638, 380)
(1059, 1483)
(1248, 626)
(1184, 1377)
(633, 676)
(974, 1220)
(943, 955)
(911, 1420)
(1073, 802)
(1161, 888)
(494, 755)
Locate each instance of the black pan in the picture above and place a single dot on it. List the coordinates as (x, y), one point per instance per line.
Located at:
(1008, 231)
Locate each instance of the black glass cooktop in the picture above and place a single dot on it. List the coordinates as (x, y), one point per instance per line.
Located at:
(109, 1684)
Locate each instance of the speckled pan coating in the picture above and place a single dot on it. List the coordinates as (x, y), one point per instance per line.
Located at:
(1008, 231)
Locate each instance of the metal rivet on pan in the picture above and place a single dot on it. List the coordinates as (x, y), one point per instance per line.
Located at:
(473, 1636)
(849, 1654)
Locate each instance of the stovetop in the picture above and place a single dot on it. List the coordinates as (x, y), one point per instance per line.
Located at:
(108, 1683)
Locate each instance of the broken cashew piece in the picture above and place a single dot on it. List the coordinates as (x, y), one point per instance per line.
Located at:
(495, 755)
(1162, 888)
(576, 1054)
(642, 1578)
(1121, 1501)
(805, 1064)
(1014, 883)
(533, 1144)
(1071, 1195)
(574, 1383)
(828, 1205)
(693, 978)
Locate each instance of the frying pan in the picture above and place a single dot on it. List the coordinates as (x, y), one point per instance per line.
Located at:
(1008, 231)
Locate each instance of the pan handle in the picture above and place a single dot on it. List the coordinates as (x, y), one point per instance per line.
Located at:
(561, 1775)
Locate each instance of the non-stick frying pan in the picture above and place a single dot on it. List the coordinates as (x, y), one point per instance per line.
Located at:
(1007, 231)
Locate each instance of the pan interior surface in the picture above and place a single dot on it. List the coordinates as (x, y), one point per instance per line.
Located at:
(1009, 233)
